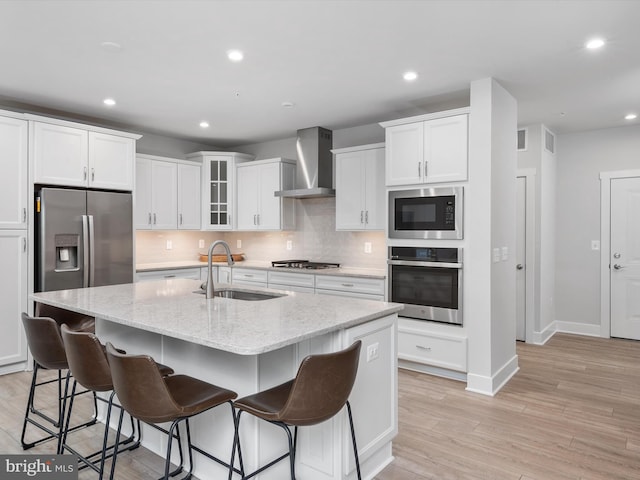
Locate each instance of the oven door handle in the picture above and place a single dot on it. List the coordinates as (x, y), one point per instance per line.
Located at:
(424, 264)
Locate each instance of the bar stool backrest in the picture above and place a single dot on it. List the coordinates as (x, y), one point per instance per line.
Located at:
(75, 321)
(321, 387)
(87, 360)
(45, 342)
(140, 387)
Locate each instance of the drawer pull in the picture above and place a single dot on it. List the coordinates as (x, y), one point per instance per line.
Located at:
(248, 275)
(350, 285)
(169, 276)
(422, 347)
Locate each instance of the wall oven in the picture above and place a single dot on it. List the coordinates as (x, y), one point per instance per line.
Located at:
(426, 213)
(428, 281)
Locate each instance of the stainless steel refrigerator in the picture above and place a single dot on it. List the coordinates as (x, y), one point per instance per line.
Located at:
(84, 238)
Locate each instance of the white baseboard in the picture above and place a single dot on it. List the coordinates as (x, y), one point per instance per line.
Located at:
(540, 338)
(492, 385)
(587, 329)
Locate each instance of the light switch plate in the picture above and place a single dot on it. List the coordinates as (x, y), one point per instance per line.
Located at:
(496, 255)
(367, 247)
(169, 244)
(238, 243)
(289, 244)
(201, 243)
(595, 244)
(505, 253)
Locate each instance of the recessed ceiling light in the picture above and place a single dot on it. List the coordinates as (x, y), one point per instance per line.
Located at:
(410, 76)
(109, 102)
(288, 104)
(111, 47)
(204, 124)
(631, 116)
(235, 55)
(594, 43)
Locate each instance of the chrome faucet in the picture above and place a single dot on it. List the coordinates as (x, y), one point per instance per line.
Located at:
(209, 287)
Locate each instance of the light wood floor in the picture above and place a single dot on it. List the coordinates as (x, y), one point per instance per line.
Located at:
(572, 412)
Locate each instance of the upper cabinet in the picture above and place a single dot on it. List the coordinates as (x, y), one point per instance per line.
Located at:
(218, 181)
(258, 208)
(66, 154)
(156, 194)
(360, 194)
(189, 198)
(13, 181)
(425, 149)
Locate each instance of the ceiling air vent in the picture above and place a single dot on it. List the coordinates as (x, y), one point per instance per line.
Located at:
(549, 141)
(522, 139)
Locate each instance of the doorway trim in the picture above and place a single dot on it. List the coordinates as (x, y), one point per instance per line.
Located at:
(605, 245)
(529, 175)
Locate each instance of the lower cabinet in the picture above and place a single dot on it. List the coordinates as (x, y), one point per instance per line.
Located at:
(13, 299)
(251, 277)
(360, 287)
(295, 282)
(192, 273)
(422, 344)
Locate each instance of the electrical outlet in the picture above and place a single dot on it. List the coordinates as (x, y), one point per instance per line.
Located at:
(169, 244)
(372, 351)
(505, 253)
(201, 243)
(367, 247)
(289, 245)
(238, 243)
(496, 255)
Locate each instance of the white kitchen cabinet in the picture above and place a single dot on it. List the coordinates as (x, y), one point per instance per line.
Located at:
(357, 287)
(218, 183)
(191, 273)
(156, 193)
(189, 198)
(224, 274)
(13, 181)
(360, 193)
(427, 150)
(295, 282)
(257, 206)
(249, 277)
(68, 154)
(13, 299)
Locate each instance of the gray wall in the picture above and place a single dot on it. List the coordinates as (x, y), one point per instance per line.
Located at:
(581, 158)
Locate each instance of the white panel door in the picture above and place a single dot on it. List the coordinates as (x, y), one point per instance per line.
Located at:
(189, 197)
(13, 181)
(445, 149)
(143, 211)
(111, 161)
(247, 201)
(164, 195)
(405, 154)
(61, 155)
(625, 258)
(521, 281)
(375, 194)
(13, 296)
(350, 186)
(268, 204)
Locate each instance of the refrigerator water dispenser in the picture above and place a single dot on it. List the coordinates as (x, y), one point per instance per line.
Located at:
(66, 252)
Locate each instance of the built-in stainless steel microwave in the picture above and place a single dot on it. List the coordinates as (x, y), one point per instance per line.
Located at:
(426, 213)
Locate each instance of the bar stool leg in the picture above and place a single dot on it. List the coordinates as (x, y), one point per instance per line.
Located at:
(353, 440)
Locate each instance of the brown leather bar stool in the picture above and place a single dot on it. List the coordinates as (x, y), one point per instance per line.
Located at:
(319, 391)
(78, 322)
(47, 349)
(90, 368)
(149, 397)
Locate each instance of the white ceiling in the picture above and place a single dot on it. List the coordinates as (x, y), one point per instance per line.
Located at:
(339, 62)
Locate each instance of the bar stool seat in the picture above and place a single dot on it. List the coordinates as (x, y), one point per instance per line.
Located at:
(149, 397)
(87, 359)
(319, 391)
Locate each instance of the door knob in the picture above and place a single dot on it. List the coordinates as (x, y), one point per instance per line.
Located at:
(616, 255)
(617, 267)
(519, 266)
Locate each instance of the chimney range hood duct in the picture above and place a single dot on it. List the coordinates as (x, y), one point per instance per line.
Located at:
(315, 164)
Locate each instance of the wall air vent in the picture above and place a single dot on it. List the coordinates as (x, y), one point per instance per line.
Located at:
(523, 136)
(549, 141)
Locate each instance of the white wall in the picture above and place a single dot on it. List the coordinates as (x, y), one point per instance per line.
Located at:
(581, 158)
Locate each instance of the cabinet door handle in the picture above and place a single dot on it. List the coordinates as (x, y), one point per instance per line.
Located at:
(149, 218)
(93, 174)
(361, 216)
(425, 168)
(84, 174)
(180, 219)
(422, 347)
(24, 244)
(366, 216)
(419, 169)
(24, 215)
(154, 219)
(254, 220)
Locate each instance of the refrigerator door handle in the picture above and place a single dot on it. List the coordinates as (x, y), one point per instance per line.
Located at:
(92, 254)
(85, 251)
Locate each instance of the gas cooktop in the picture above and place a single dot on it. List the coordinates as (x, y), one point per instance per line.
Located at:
(304, 264)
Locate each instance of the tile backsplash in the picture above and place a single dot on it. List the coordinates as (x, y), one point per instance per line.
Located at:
(315, 238)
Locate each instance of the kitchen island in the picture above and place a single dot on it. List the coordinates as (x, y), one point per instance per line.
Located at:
(248, 346)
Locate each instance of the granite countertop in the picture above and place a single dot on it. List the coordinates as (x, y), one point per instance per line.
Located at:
(264, 265)
(170, 308)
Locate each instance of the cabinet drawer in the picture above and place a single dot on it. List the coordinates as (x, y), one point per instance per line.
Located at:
(193, 273)
(292, 279)
(443, 351)
(248, 275)
(370, 286)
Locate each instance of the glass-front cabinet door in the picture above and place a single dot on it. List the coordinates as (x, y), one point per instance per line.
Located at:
(218, 190)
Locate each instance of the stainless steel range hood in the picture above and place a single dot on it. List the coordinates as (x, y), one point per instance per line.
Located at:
(315, 165)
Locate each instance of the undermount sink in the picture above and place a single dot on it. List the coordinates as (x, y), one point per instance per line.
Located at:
(243, 294)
